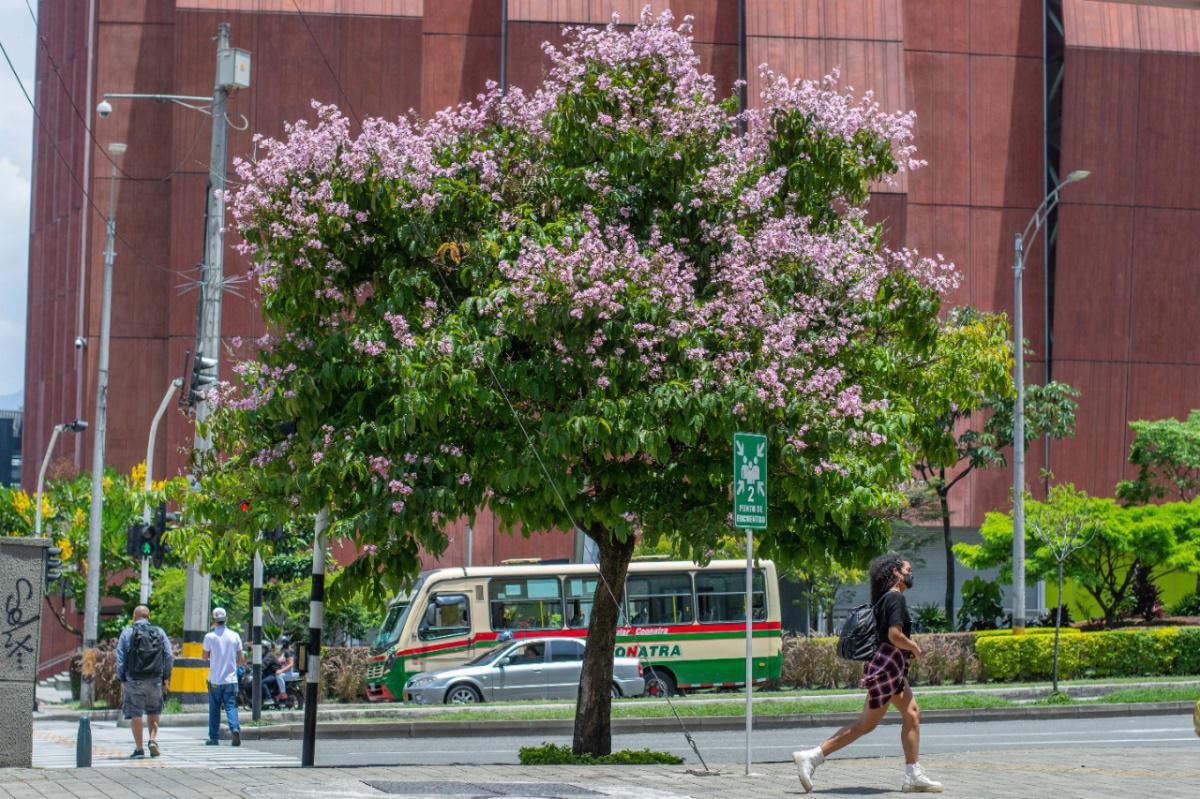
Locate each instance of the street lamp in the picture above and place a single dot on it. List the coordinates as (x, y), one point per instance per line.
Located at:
(1031, 230)
(77, 426)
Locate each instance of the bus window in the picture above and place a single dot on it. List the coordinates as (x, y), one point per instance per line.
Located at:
(580, 592)
(445, 615)
(721, 596)
(525, 603)
(660, 598)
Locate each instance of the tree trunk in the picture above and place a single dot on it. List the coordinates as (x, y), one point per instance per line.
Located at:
(593, 709)
(1058, 624)
(945, 504)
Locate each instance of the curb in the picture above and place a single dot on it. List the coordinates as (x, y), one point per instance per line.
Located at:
(482, 728)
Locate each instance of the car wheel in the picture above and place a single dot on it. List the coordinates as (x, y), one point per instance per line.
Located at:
(616, 691)
(463, 695)
(659, 682)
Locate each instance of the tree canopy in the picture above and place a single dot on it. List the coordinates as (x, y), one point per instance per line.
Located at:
(1122, 541)
(561, 304)
(1166, 453)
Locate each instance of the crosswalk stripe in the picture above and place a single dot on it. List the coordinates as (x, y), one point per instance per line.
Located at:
(54, 749)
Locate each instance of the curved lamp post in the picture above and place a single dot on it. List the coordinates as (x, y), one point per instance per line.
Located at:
(77, 426)
(1031, 231)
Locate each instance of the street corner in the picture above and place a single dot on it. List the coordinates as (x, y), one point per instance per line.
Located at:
(456, 789)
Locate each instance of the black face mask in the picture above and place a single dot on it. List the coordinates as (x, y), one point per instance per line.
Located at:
(908, 580)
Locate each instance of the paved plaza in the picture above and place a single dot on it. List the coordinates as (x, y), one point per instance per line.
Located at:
(1061, 773)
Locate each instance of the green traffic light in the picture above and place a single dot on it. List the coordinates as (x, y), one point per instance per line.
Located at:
(146, 548)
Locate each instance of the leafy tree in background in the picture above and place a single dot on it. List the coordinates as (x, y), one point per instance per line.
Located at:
(964, 412)
(65, 505)
(1063, 525)
(1166, 453)
(1157, 538)
(561, 305)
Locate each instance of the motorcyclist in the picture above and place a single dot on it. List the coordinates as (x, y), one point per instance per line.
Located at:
(281, 665)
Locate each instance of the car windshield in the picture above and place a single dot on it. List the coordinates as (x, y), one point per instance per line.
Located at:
(489, 656)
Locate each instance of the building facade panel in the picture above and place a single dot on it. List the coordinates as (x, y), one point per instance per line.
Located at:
(1093, 459)
(1100, 123)
(1006, 132)
(939, 90)
(1092, 289)
(1168, 171)
(941, 26)
(1166, 286)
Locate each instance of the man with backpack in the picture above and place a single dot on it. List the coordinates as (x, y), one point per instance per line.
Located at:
(144, 662)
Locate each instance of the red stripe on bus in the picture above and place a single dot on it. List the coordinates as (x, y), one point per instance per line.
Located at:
(622, 632)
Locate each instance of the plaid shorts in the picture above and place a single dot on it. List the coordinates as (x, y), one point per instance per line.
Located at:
(142, 697)
(885, 675)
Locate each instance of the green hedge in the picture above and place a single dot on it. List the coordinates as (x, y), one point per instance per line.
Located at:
(1115, 653)
(1028, 631)
(814, 662)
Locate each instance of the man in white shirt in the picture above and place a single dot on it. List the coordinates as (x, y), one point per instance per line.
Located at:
(223, 651)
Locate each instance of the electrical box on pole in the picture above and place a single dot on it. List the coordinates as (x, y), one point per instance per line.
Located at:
(233, 68)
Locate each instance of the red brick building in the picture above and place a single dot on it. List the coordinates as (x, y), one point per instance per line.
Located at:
(1008, 93)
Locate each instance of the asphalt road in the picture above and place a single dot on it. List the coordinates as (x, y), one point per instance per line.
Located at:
(769, 745)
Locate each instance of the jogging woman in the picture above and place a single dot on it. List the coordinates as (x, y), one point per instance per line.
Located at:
(886, 679)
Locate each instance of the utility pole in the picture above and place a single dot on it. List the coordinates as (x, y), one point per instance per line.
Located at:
(91, 600)
(316, 622)
(256, 600)
(187, 679)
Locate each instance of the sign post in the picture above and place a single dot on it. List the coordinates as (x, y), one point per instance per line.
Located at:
(750, 514)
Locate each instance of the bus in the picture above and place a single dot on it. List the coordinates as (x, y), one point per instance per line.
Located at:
(685, 622)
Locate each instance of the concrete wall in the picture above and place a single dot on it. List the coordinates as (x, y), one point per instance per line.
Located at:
(21, 568)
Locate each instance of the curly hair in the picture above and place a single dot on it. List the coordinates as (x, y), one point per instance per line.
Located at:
(881, 570)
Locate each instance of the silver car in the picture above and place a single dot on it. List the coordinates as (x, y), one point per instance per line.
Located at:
(528, 669)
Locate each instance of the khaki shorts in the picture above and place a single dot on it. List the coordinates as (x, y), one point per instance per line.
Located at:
(142, 697)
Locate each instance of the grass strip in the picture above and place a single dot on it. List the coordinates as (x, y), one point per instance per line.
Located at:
(554, 755)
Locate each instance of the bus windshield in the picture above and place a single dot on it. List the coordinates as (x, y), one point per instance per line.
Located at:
(393, 625)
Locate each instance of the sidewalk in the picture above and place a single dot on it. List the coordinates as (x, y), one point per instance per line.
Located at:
(1163, 773)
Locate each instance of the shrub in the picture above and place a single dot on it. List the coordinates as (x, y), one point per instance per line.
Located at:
(948, 659)
(1114, 653)
(1189, 605)
(931, 619)
(344, 673)
(555, 755)
(1028, 631)
(980, 605)
(814, 662)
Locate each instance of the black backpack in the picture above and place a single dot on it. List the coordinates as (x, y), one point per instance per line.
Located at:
(145, 653)
(859, 640)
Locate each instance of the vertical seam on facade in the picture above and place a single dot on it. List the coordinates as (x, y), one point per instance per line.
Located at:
(1133, 211)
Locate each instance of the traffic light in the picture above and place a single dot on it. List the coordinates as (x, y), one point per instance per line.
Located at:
(157, 548)
(137, 536)
(244, 506)
(53, 565)
(204, 377)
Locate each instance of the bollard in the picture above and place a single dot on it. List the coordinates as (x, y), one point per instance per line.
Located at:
(83, 744)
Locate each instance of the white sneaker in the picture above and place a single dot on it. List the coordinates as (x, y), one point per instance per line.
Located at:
(918, 782)
(806, 764)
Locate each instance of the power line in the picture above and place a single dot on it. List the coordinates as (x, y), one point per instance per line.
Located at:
(328, 66)
(70, 169)
(88, 128)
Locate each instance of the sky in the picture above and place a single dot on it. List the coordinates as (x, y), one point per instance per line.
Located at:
(19, 36)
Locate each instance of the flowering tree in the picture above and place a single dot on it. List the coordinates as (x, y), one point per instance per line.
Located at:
(561, 304)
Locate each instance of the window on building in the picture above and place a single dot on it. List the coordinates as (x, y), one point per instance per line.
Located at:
(721, 596)
(526, 603)
(445, 615)
(580, 592)
(565, 651)
(659, 598)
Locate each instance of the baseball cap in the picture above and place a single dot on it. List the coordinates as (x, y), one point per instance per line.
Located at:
(218, 614)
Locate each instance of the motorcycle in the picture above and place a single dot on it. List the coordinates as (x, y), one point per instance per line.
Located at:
(295, 691)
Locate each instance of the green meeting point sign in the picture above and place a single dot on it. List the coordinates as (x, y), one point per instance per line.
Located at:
(750, 481)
